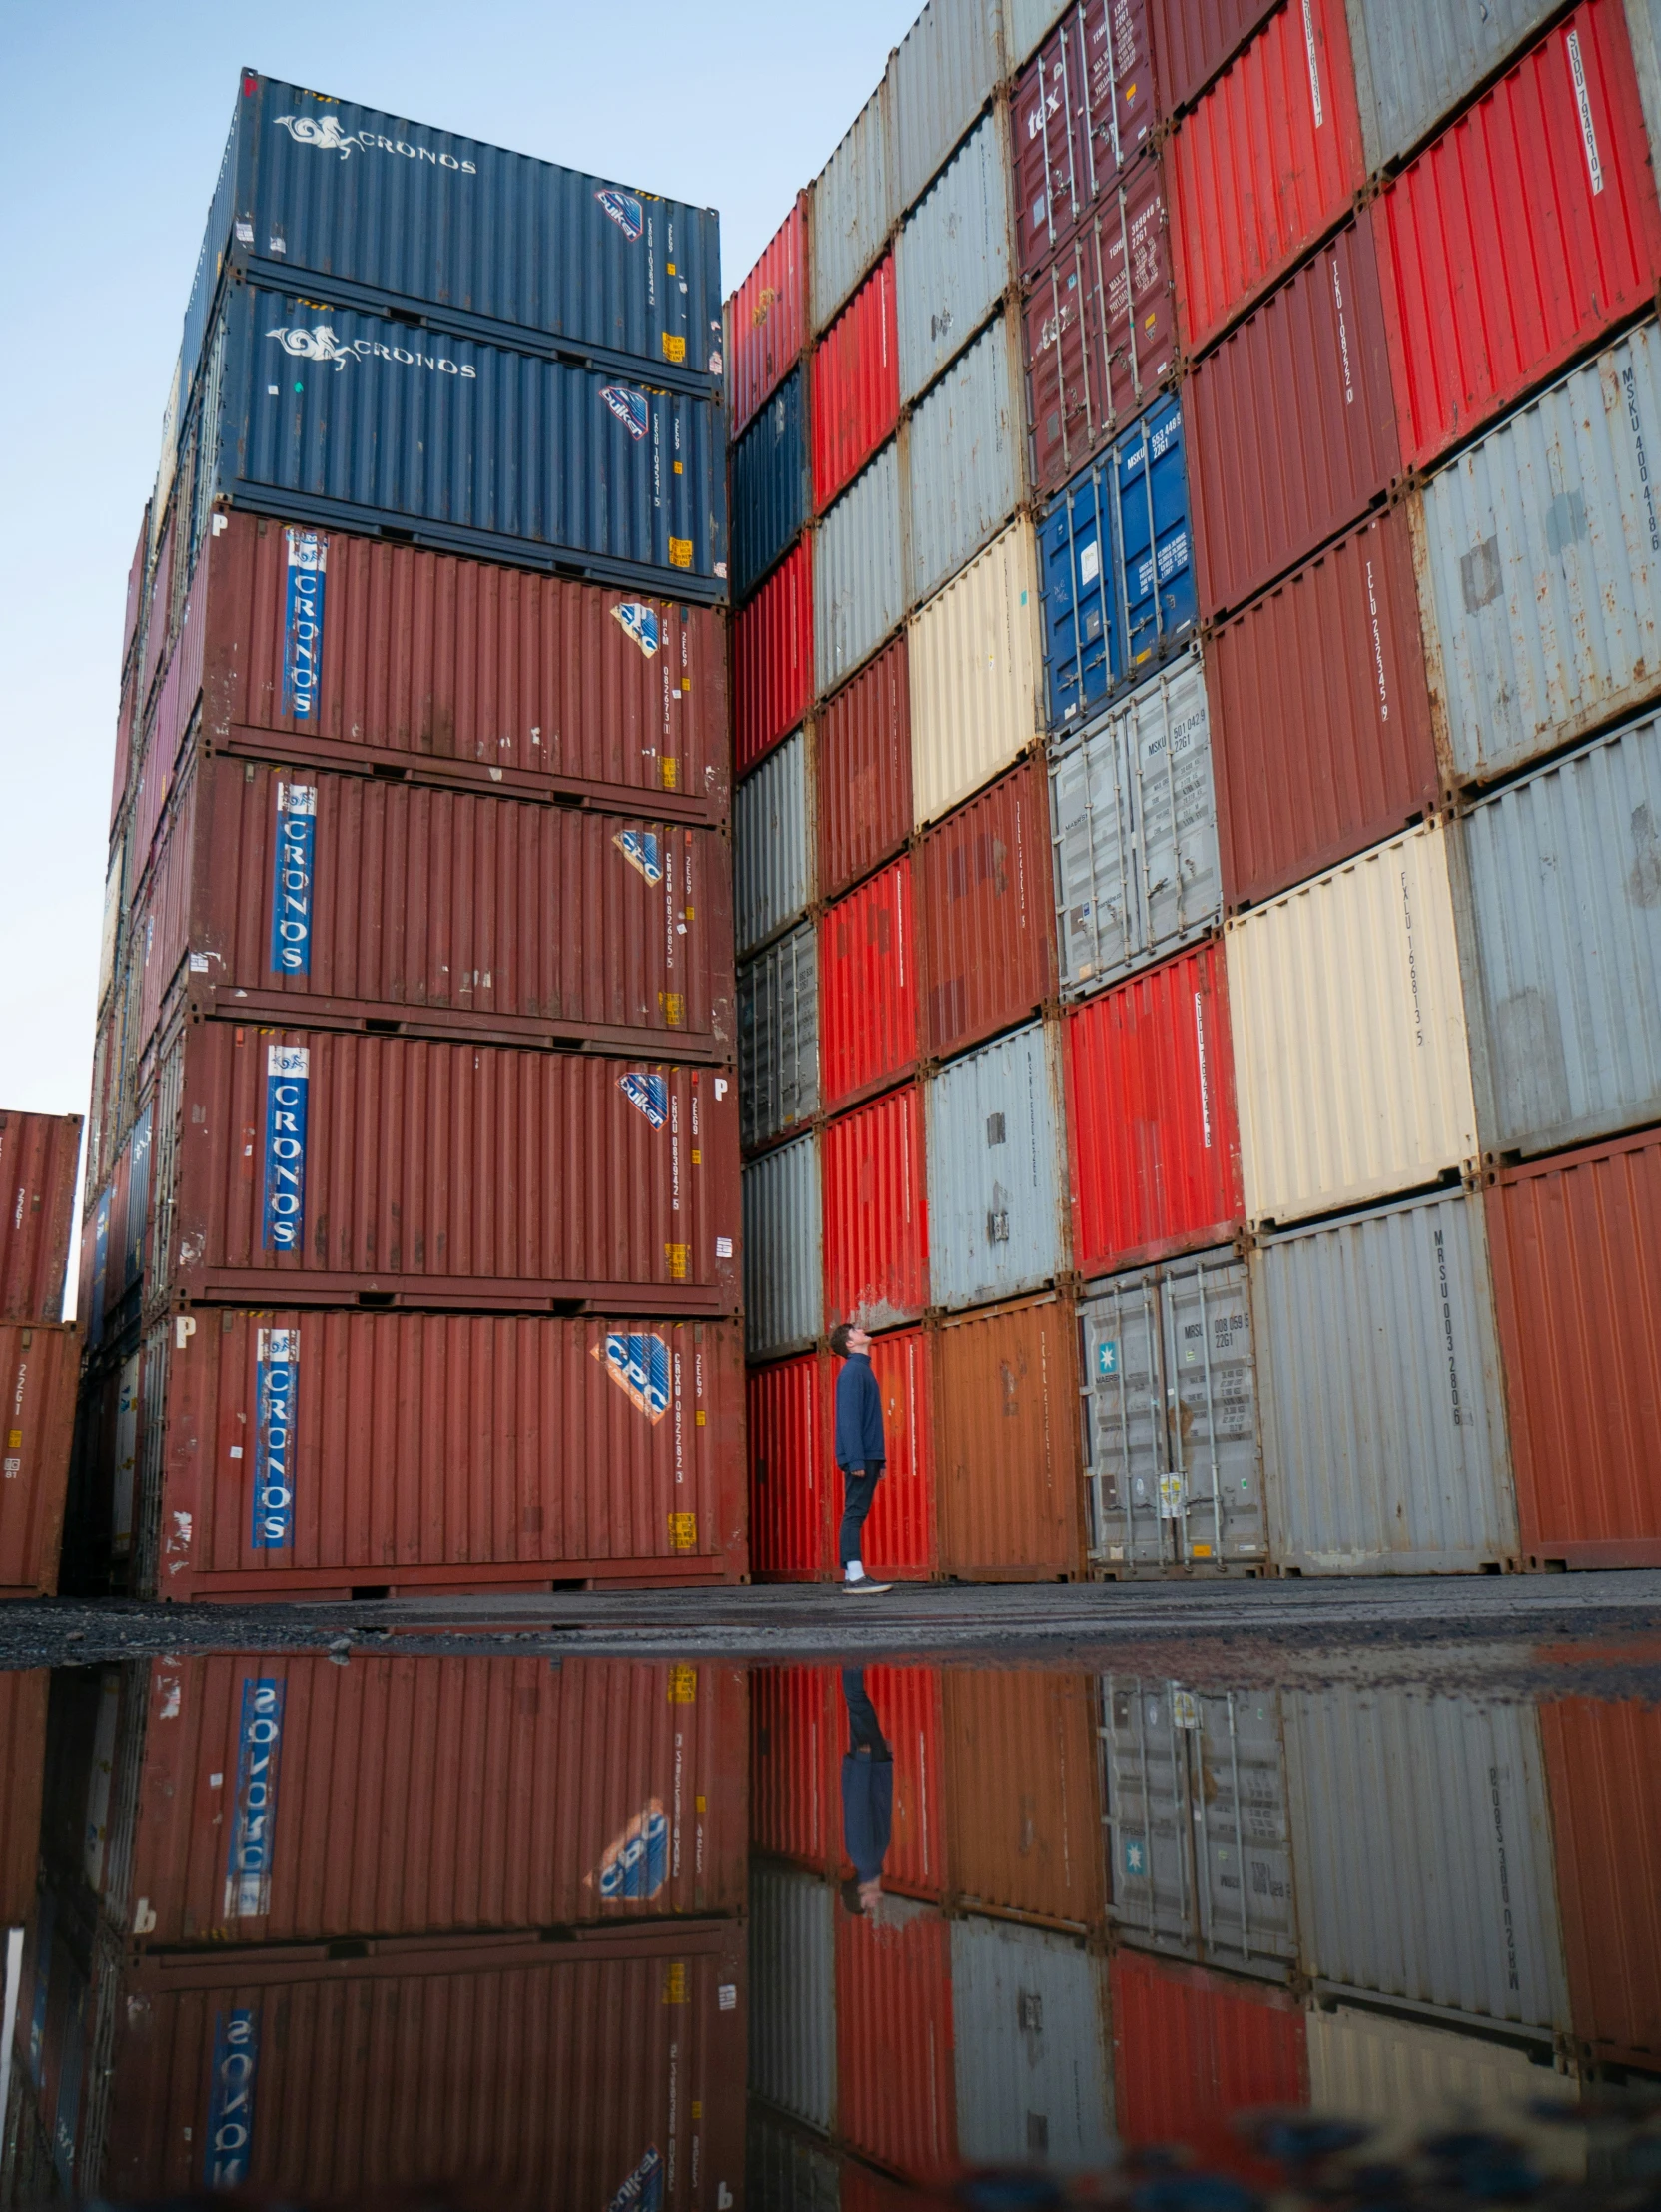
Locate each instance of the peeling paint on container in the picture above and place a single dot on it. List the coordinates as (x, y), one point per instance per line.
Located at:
(1031, 2047)
(974, 672)
(864, 745)
(1006, 1444)
(782, 1297)
(773, 845)
(778, 1038)
(1079, 114)
(965, 458)
(952, 258)
(852, 208)
(790, 1496)
(793, 2002)
(772, 658)
(858, 586)
(766, 319)
(939, 75)
(876, 1236)
(856, 385)
(40, 1161)
(983, 884)
(996, 1223)
(868, 987)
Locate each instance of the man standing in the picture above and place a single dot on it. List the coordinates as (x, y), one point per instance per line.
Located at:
(860, 1451)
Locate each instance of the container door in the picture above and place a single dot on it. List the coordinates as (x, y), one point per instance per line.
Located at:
(1094, 835)
(1150, 1866)
(1126, 1458)
(1178, 880)
(1214, 1460)
(1155, 587)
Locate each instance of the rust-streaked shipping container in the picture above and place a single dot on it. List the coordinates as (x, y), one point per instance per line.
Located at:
(1530, 225)
(856, 384)
(1152, 1135)
(1193, 38)
(1024, 1795)
(876, 1234)
(1576, 1249)
(766, 319)
(1264, 164)
(900, 1537)
(868, 987)
(1291, 423)
(23, 1695)
(795, 1744)
(301, 1452)
(1009, 1487)
(864, 744)
(1321, 728)
(318, 1166)
(40, 1366)
(896, 2093)
(40, 1158)
(791, 1501)
(1083, 109)
(773, 659)
(987, 929)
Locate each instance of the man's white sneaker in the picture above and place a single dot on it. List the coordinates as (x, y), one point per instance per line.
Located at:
(864, 1585)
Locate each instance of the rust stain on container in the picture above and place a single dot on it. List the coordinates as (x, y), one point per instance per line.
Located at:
(987, 928)
(1024, 1795)
(1007, 1444)
(865, 800)
(39, 1158)
(39, 1367)
(23, 1694)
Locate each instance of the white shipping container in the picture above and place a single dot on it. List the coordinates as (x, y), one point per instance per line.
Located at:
(858, 571)
(952, 260)
(995, 1190)
(1030, 2048)
(975, 666)
(793, 1994)
(773, 845)
(939, 78)
(966, 462)
(1418, 63)
(783, 1234)
(853, 209)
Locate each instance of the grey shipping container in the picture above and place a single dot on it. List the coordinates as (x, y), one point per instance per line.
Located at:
(1383, 1417)
(939, 75)
(1416, 64)
(952, 263)
(771, 493)
(793, 1994)
(773, 844)
(1421, 1834)
(778, 1038)
(852, 208)
(1025, 25)
(1168, 1385)
(996, 1200)
(1133, 811)
(1199, 1844)
(966, 458)
(1538, 553)
(787, 2171)
(1030, 2048)
(858, 571)
(783, 1294)
(1562, 950)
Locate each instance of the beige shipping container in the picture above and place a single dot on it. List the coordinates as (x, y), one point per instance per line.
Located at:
(976, 661)
(1351, 1056)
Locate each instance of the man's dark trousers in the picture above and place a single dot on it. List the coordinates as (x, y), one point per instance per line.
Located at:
(859, 1487)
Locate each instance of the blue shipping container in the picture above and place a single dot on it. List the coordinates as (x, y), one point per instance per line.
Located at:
(379, 212)
(322, 415)
(770, 497)
(1115, 568)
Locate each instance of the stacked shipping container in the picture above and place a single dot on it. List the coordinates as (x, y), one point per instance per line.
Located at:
(40, 1354)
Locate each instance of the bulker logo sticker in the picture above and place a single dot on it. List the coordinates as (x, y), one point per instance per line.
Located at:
(643, 2190)
(325, 133)
(640, 622)
(287, 1082)
(650, 1092)
(624, 210)
(308, 558)
(254, 1812)
(641, 1369)
(635, 1864)
(639, 849)
(275, 1396)
(231, 2099)
(631, 409)
(320, 343)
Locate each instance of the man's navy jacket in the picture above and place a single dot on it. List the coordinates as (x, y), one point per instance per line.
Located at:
(859, 1441)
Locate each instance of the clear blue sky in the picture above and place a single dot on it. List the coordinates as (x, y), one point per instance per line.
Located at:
(116, 115)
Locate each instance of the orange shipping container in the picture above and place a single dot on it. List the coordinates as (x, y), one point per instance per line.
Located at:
(1023, 1796)
(23, 1695)
(39, 1158)
(39, 1370)
(1009, 1478)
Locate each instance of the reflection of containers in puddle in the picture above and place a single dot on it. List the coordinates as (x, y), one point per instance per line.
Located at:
(793, 1992)
(1023, 1796)
(22, 1764)
(1030, 2048)
(894, 2071)
(796, 1739)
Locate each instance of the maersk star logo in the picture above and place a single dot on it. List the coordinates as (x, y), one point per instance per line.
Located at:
(320, 343)
(1136, 1859)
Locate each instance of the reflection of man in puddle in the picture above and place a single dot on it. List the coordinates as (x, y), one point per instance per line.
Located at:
(867, 1797)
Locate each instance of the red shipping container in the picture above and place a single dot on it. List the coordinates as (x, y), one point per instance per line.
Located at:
(900, 1536)
(1008, 1475)
(868, 987)
(1193, 38)
(989, 921)
(409, 1795)
(425, 1174)
(1603, 1773)
(1290, 423)
(1153, 1138)
(40, 1158)
(1541, 196)
(907, 1703)
(864, 741)
(1083, 107)
(792, 1496)
(1266, 162)
(349, 902)
(1576, 1247)
(1024, 1795)
(23, 1694)
(1101, 327)
(1321, 737)
(876, 1219)
(296, 1453)
(795, 1753)
(856, 384)
(40, 1368)
(767, 318)
(772, 658)
(896, 2093)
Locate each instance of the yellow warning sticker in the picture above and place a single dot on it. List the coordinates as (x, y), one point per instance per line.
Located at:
(702, 1417)
(675, 349)
(14, 1440)
(670, 770)
(674, 1984)
(683, 1530)
(673, 1004)
(683, 1679)
(680, 552)
(676, 1255)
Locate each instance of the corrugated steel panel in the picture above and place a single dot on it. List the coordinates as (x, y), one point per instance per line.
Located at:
(1542, 194)
(868, 987)
(1322, 724)
(900, 1538)
(773, 659)
(973, 675)
(1414, 66)
(1024, 1792)
(856, 384)
(1080, 113)
(1540, 563)
(778, 1038)
(876, 1236)
(1031, 2048)
(1351, 1056)
(1100, 324)
(939, 78)
(1577, 1283)
(983, 884)
(952, 259)
(1006, 1444)
(773, 845)
(39, 1367)
(795, 1806)
(1134, 820)
(966, 458)
(1406, 2079)
(790, 1491)
(1193, 38)
(1115, 565)
(1564, 945)
(1266, 160)
(782, 1301)
(23, 1694)
(1199, 1841)
(772, 494)
(864, 745)
(1644, 31)
(40, 1162)
(1422, 1841)
(858, 587)
(996, 1221)
(1168, 1374)
(793, 2002)
(1190, 2049)
(852, 208)
(766, 319)
(786, 2171)
(893, 2037)
(1603, 1770)
(1153, 1150)
(1294, 422)
(907, 1703)
(1384, 1404)
(1025, 23)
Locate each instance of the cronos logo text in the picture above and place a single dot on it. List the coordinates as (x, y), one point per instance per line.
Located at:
(320, 344)
(325, 133)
